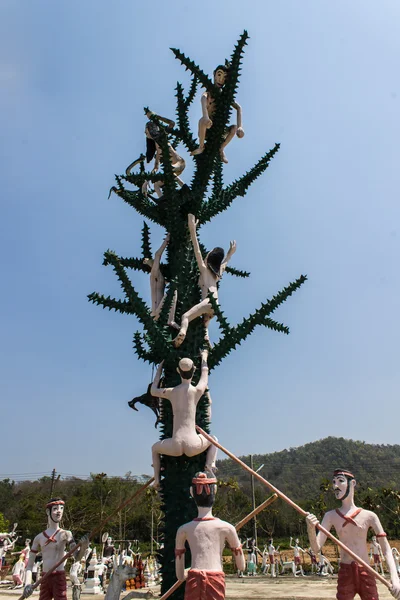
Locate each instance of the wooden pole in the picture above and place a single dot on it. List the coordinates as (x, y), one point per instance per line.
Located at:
(255, 512)
(296, 507)
(91, 535)
(239, 525)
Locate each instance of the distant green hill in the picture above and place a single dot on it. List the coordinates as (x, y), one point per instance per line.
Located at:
(298, 471)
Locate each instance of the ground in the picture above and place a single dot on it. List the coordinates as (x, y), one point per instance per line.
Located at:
(257, 588)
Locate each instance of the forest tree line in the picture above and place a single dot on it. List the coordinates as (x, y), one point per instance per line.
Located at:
(304, 474)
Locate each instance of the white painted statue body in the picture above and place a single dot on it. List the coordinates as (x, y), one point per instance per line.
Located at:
(375, 551)
(272, 557)
(152, 132)
(352, 525)
(208, 283)
(221, 74)
(396, 556)
(297, 558)
(184, 399)
(157, 286)
(206, 536)
(52, 544)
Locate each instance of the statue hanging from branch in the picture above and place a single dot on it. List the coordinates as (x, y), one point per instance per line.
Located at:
(211, 270)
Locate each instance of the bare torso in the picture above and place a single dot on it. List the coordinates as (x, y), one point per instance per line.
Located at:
(207, 540)
(208, 283)
(52, 552)
(355, 537)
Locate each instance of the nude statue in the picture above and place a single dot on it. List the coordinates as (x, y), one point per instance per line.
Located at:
(352, 524)
(376, 552)
(157, 286)
(206, 536)
(297, 558)
(184, 399)
(211, 270)
(52, 543)
(152, 132)
(208, 101)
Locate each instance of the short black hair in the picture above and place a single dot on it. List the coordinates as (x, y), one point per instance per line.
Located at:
(204, 499)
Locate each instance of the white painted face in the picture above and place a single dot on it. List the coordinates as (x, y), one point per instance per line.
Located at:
(220, 78)
(374, 538)
(109, 540)
(56, 512)
(296, 541)
(340, 484)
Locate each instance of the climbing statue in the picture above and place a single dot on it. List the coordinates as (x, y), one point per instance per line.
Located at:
(206, 536)
(52, 542)
(153, 132)
(352, 524)
(184, 399)
(211, 270)
(208, 105)
(157, 286)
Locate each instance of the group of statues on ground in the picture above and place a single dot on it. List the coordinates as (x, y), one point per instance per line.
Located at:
(207, 536)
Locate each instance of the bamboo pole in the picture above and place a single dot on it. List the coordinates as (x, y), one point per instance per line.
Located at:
(255, 512)
(238, 526)
(296, 507)
(91, 535)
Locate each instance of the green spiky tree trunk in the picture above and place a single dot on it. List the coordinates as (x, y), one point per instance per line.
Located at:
(205, 197)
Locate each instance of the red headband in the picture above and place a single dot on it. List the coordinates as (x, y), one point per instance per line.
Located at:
(203, 482)
(55, 503)
(341, 472)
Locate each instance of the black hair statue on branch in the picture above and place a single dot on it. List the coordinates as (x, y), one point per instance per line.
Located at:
(177, 299)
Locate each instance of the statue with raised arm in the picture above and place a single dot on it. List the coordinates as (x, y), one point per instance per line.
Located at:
(184, 399)
(157, 285)
(211, 269)
(52, 543)
(351, 525)
(396, 555)
(208, 101)
(206, 536)
(153, 132)
(297, 558)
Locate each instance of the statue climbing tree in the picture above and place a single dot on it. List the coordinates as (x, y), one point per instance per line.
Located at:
(206, 196)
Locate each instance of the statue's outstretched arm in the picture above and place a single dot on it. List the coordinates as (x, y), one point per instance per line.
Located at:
(192, 224)
(228, 256)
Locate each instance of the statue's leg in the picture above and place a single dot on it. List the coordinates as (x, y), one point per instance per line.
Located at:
(204, 307)
(170, 447)
(211, 456)
(158, 188)
(230, 134)
(171, 316)
(202, 137)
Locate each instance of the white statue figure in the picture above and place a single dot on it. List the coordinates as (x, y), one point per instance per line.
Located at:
(221, 74)
(396, 555)
(6, 545)
(272, 558)
(352, 524)
(314, 561)
(376, 552)
(251, 562)
(265, 565)
(184, 399)
(157, 286)
(18, 572)
(324, 566)
(26, 551)
(52, 542)
(153, 150)
(297, 557)
(211, 270)
(74, 572)
(109, 548)
(206, 536)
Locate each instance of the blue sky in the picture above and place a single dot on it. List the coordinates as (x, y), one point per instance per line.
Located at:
(321, 78)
